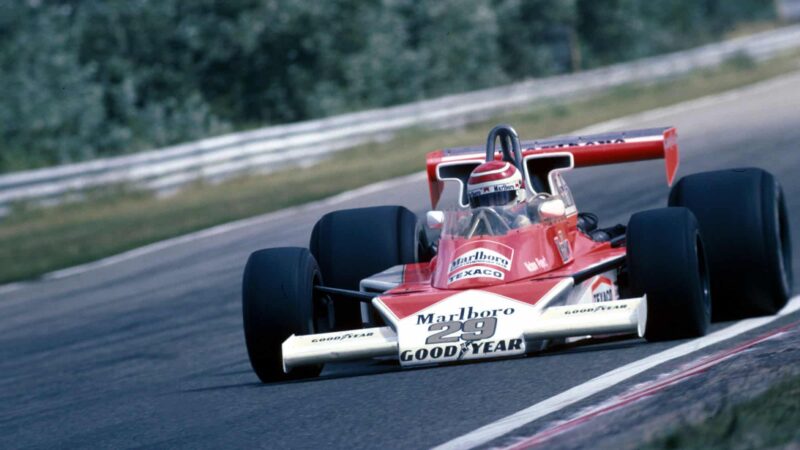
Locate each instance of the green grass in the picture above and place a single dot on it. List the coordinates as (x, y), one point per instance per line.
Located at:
(35, 240)
(771, 420)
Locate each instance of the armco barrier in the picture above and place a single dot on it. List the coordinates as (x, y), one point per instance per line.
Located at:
(270, 148)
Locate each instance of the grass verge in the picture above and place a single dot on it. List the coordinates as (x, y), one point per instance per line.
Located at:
(34, 240)
(771, 420)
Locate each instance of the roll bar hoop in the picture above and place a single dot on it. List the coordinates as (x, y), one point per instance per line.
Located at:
(509, 141)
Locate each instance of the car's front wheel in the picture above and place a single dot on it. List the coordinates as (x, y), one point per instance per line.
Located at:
(278, 300)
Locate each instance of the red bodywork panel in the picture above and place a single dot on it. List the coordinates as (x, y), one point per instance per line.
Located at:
(526, 263)
(427, 283)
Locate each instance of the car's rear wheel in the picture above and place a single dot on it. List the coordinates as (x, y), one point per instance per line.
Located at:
(353, 244)
(666, 261)
(278, 300)
(743, 218)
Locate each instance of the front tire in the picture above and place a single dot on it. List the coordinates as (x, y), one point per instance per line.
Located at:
(666, 262)
(277, 301)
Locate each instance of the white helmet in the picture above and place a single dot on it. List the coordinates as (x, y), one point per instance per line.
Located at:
(495, 183)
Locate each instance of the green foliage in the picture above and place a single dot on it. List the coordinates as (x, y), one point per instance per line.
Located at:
(82, 79)
(536, 36)
(51, 104)
(619, 30)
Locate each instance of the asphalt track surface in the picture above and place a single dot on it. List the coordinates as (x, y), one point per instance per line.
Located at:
(150, 352)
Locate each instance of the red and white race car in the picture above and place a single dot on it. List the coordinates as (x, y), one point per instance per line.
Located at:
(505, 281)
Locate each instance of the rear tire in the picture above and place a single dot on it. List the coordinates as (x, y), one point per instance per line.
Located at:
(353, 244)
(666, 262)
(743, 218)
(277, 301)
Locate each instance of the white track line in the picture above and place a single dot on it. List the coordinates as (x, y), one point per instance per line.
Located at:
(621, 122)
(578, 393)
(664, 381)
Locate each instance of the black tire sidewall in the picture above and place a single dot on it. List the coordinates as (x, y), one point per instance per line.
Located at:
(777, 242)
(664, 258)
(278, 301)
(741, 214)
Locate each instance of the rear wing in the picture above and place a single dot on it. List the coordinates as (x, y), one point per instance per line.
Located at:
(585, 151)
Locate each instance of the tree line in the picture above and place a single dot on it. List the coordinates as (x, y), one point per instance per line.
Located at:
(84, 79)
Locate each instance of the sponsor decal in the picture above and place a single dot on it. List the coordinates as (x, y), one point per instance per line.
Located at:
(468, 325)
(466, 350)
(495, 188)
(577, 143)
(480, 256)
(476, 272)
(538, 263)
(342, 337)
(464, 314)
(602, 290)
(595, 309)
(480, 259)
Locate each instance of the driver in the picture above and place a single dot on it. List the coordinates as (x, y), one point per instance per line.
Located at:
(495, 183)
(498, 183)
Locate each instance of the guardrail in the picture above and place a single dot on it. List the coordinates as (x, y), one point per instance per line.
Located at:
(268, 149)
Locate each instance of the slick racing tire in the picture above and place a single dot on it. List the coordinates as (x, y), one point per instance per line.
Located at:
(277, 301)
(745, 227)
(353, 244)
(666, 261)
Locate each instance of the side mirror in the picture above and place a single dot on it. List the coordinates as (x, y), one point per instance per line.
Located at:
(553, 209)
(435, 219)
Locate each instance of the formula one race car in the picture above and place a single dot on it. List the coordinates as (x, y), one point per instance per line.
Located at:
(514, 267)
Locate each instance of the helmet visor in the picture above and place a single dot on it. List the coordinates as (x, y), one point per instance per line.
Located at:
(501, 198)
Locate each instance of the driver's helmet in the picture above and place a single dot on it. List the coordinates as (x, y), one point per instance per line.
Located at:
(495, 183)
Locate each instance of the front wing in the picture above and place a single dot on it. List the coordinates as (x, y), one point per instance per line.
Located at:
(471, 325)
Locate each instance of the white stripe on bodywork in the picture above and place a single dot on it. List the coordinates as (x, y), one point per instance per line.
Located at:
(492, 172)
